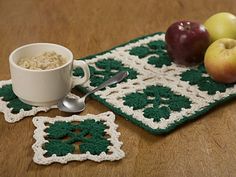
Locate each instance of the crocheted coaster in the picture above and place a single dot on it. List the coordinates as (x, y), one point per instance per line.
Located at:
(76, 138)
(158, 95)
(13, 108)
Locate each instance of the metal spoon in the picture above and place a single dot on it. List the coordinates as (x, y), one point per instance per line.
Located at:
(73, 105)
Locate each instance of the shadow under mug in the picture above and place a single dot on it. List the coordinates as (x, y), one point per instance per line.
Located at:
(44, 87)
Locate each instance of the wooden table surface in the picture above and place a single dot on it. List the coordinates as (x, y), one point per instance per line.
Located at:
(205, 147)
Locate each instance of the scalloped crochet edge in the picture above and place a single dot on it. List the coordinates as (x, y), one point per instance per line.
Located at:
(158, 131)
(115, 152)
(12, 118)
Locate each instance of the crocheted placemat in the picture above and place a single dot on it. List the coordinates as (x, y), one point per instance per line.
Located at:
(76, 138)
(158, 95)
(13, 108)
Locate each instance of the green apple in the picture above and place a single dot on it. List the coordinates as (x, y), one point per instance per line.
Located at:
(220, 60)
(221, 25)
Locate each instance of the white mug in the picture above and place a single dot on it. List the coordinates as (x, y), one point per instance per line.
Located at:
(44, 87)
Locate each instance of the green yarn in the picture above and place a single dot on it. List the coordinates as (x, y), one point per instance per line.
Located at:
(141, 52)
(106, 69)
(136, 100)
(205, 83)
(62, 137)
(130, 117)
(159, 44)
(58, 147)
(159, 62)
(79, 71)
(14, 103)
(157, 90)
(177, 102)
(154, 47)
(60, 129)
(192, 76)
(92, 127)
(109, 64)
(202, 68)
(7, 93)
(163, 101)
(157, 113)
(94, 146)
(155, 102)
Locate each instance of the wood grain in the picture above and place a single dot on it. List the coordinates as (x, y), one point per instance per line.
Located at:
(206, 147)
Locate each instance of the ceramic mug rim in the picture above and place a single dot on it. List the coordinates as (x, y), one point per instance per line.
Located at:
(13, 63)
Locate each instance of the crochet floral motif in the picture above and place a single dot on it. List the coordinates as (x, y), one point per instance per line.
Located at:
(13, 108)
(204, 82)
(106, 69)
(154, 47)
(162, 101)
(13, 101)
(64, 139)
(162, 95)
(158, 95)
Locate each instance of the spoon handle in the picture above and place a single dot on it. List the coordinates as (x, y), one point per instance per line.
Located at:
(115, 79)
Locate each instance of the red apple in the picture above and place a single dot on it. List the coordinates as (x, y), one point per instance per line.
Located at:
(220, 60)
(187, 42)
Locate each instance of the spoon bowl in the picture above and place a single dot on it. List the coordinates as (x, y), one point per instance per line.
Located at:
(73, 105)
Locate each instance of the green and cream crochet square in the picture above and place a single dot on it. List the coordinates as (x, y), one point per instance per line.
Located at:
(13, 108)
(76, 138)
(158, 95)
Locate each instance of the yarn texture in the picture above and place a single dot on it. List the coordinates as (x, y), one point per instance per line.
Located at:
(159, 95)
(76, 138)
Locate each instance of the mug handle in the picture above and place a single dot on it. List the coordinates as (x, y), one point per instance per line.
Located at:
(80, 80)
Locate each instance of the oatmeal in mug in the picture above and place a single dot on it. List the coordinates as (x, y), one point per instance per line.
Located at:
(34, 81)
(48, 60)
